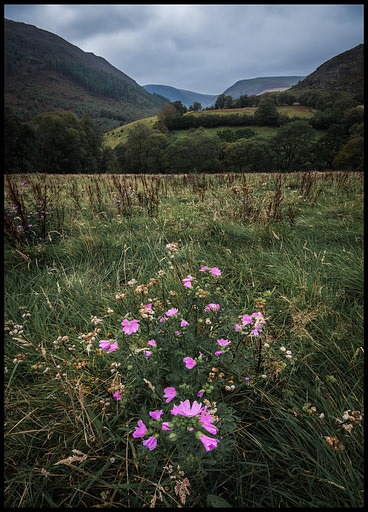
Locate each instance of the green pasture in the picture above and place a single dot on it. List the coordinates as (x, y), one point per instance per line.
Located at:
(120, 135)
(291, 245)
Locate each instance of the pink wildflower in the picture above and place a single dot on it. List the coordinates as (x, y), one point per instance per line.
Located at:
(150, 443)
(184, 409)
(203, 268)
(215, 271)
(170, 393)
(213, 307)
(140, 430)
(187, 281)
(117, 396)
(104, 344)
(189, 362)
(247, 320)
(209, 443)
(218, 352)
(166, 426)
(206, 420)
(130, 326)
(184, 323)
(113, 346)
(223, 342)
(172, 312)
(256, 330)
(156, 414)
(255, 315)
(147, 353)
(152, 343)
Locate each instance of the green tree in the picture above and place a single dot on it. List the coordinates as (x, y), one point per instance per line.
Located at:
(227, 135)
(245, 133)
(179, 107)
(109, 162)
(155, 152)
(267, 112)
(19, 144)
(350, 156)
(92, 143)
(136, 148)
(292, 143)
(60, 143)
(249, 155)
(197, 151)
(167, 116)
(220, 101)
(196, 106)
(285, 98)
(326, 147)
(323, 119)
(333, 99)
(243, 101)
(352, 116)
(228, 101)
(120, 151)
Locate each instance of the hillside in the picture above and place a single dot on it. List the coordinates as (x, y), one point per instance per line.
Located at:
(120, 135)
(248, 86)
(345, 72)
(261, 84)
(186, 97)
(43, 73)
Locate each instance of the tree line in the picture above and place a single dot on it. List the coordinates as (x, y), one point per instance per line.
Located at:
(54, 142)
(59, 142)
(293, 147)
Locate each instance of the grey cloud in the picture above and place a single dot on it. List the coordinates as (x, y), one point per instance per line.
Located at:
(205, 48)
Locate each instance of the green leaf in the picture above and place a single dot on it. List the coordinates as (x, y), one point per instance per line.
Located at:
(215, 501)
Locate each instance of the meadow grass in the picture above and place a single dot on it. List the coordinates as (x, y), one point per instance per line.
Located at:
(120, 135)
(290, 244)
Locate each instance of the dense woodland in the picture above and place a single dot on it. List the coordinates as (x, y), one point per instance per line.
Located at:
(59, 142)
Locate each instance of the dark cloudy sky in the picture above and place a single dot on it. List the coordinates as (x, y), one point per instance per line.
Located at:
(203, 48)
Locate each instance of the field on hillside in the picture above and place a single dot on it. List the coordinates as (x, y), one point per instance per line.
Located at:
(291, 111)
(184, 340)
(120, 135)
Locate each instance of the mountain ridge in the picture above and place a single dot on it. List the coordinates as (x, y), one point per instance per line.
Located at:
(43, 73)
(345, 71)
(260, 85)
(185, 96)
(247, 87)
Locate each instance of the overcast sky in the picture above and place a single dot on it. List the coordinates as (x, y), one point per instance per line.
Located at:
(203, 48)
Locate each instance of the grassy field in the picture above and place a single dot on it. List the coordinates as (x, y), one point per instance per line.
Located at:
(120, 135)
(285, 403)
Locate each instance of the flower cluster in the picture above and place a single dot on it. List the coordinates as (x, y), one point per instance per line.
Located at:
(169, 328)
(130, 326)
(198, 417)
(256, 320)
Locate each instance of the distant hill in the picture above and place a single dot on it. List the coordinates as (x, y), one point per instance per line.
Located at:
(186, 97)
(261, 85)
(249, 86)
(44, 73)
(345, 72)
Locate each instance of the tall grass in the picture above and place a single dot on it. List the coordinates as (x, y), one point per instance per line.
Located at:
(292, 245)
